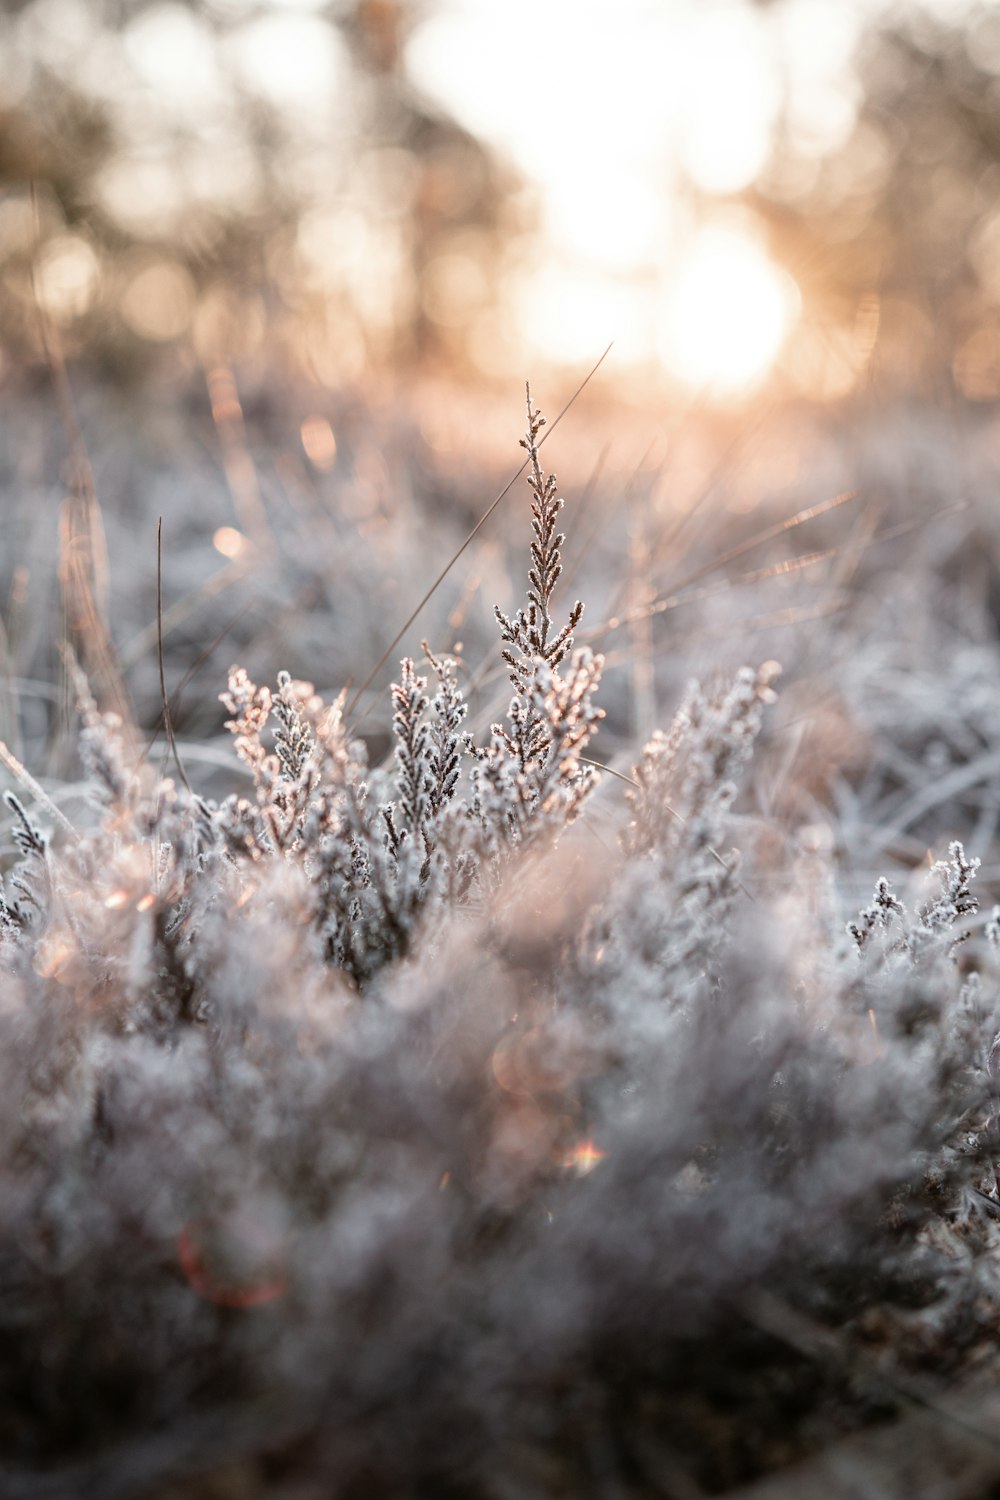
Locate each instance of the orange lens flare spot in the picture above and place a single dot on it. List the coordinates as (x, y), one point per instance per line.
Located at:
(319, 442)
(54, 957)
(224, 396)
(583, 1158)
(230, 542)
(116, 900)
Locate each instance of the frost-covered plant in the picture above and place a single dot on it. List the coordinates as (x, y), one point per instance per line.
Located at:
(383, 852)
(530, 781)
(910, 983)
(667, 909)
(933, 917)
(362, 1134)
(28, 885)
(530, 637)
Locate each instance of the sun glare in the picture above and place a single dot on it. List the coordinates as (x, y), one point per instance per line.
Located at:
(727, 313)
(688, 92)
(727, 99)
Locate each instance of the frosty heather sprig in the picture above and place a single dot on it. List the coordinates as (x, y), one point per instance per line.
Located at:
(530, 631)
(30, 880)
(413, 752)
(294, 736)
(884, 907)
(932, 919)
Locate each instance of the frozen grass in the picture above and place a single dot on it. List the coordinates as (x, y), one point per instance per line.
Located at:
(469, 1122)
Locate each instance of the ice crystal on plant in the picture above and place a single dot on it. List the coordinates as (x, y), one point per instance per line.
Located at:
(884, 907)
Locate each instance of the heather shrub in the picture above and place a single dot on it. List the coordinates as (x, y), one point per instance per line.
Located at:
(386, 1129)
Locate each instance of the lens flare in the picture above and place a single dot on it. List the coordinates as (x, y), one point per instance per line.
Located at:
(583, 1158)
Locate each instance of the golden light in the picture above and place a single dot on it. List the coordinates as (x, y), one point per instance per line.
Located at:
(822, 362)
(319, 442)
(727, 314)
(454, 286)
(977, 365)
(727, 98)
(66, 277)
(145, 193)
(583, 1158)
(55, 956)
(567, 312)
(617, 227)
(687, 93)
(158, 301)
(230, 542)
(817, 39)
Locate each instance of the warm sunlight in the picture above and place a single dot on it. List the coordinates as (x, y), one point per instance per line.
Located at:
(687, 99)
(727, 313)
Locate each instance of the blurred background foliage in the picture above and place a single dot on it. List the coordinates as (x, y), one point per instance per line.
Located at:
(894, 237)
(292, 187)
(233, 180)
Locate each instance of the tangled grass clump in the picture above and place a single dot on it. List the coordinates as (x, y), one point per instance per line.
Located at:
(364, 1135)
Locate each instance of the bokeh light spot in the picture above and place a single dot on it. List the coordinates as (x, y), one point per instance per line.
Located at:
(66, 277)
(158, 301)
(172, 52)
(454, 286)
(569, 314)
(144, 193)
(292, 60)
(230, 542)
(726, 314)
(728, 100)
(319, 442)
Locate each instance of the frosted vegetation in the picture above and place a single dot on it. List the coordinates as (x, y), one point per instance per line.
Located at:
(473, 1124)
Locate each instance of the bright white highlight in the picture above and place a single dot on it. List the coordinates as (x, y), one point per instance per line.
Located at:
(727, 313)
(173, 52)
(294, 60)
(727, 96)
(625, 102)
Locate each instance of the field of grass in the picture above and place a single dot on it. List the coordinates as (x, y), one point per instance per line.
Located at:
(562, 1062)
